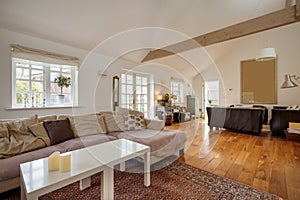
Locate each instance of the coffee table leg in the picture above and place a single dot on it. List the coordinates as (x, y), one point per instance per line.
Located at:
(147, 169)
(107, 183)
(122, 166)
(85, 183)
(23, 195)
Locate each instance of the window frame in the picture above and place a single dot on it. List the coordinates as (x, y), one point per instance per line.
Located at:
(180, 92)
(135, 103)
(46, 82)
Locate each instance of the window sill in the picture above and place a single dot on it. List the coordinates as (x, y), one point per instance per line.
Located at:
(42, 108)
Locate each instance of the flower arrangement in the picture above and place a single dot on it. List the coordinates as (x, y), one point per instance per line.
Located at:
(62, 81)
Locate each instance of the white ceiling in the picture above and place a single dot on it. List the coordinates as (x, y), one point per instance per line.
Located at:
(86, 23)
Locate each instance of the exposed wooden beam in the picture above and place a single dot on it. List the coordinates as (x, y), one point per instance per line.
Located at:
(265, 22)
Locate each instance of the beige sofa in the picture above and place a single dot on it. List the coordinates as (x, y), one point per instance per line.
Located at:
(24, 140)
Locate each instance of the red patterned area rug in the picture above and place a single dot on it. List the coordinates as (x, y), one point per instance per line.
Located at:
(176, 181)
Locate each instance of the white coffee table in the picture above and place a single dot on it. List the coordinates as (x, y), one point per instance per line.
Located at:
(37, 181)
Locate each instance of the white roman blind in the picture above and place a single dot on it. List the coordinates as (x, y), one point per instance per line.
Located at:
(28, 53)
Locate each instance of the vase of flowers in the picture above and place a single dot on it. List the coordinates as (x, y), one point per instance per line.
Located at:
(62, 81)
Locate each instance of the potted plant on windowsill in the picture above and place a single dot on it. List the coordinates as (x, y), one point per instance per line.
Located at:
(62, 81)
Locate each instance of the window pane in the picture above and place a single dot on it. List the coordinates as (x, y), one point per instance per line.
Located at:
(137, 99)
(130, 106)
(53, 99)
(143, 98)
(129, 79)
(66, 70)
(37, 86)
(123, 89)
(123, 78)
(129, 89)
(138, 89)
(124, 99)
(54, 88)
(37, 75)
(144, 90)
(138, 80)
(144, 81)
(22, 86)
(68, 98)
(55, 67)
(145, 107)
(19, 98)
(37, 66)
(66, 74)
(39, 100)
(22, 73)
(66, 90)
(22, 64)
(53, 75)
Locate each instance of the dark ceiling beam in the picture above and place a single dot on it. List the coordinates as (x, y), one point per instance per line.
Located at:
(269, 21)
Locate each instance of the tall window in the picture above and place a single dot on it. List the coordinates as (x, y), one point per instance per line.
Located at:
(177, 89)
(33, 82)
(212, 92)
(135, 92)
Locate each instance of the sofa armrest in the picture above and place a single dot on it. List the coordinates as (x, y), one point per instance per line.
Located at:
(155, 124)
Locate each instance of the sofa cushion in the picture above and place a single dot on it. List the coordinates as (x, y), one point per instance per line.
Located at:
(129, 122)
(39, 131)
(59, 130)
(47, 118)
(126, 111)
(23, 124)
(133, 122)
(155, 124)
(19, 142)
(113, 121)
(85, 124)
(101, 123)
(3, 130)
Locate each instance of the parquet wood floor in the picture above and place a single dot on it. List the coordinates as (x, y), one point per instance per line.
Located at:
(266, 162)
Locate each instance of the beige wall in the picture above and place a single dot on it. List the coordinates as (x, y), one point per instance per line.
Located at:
(285, 40)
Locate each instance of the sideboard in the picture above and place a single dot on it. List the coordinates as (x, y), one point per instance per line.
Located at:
(247, 120)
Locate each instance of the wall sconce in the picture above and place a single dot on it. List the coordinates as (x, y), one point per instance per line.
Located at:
(288, 82)
(266, 54)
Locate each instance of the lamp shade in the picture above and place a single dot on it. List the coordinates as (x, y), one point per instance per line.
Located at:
(266, 54)
(288, 83)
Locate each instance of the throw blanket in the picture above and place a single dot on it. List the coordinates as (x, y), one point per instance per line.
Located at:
(17, 142)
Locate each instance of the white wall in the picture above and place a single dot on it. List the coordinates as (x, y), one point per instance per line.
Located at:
(88, 74)
(94, 90)
(162, 76)
(285, 40)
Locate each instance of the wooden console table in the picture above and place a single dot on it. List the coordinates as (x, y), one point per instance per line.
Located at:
(248, 120)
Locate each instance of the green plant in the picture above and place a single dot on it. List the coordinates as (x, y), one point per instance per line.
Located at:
(62, 81)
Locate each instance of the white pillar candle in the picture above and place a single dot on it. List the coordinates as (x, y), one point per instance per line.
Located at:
(65, 162)
(53, 161)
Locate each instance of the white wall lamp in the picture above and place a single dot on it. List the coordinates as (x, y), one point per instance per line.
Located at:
(288, 82)
(266, 54)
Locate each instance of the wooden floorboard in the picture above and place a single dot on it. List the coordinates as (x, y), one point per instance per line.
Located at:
(266, 162)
